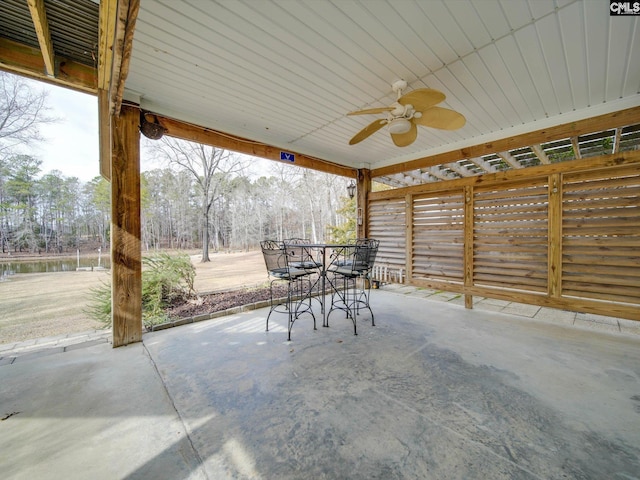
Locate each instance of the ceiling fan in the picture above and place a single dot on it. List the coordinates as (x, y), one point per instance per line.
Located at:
(417, 107)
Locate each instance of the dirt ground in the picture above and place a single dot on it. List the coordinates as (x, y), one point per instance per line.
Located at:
(49, 304)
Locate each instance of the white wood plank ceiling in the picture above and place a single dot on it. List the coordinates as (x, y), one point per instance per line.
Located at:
(286, 72)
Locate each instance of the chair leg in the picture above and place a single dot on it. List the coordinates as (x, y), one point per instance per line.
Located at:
(302, 297)
(346, 300)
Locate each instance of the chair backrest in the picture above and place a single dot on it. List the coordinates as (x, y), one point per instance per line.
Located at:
(275, 257)
(365, 254)
(299, 254)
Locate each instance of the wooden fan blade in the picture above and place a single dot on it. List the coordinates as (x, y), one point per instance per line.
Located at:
(370, 129)
(371, 110)
(443, 118)
(404, 139)
(422, 98)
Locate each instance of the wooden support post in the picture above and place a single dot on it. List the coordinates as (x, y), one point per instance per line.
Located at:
(104, 133)
(126, 255)
(554, 270)
(468, 244)
(408, 237)
(362, 203)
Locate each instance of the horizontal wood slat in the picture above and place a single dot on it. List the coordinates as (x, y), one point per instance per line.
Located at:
(387, 223)
(601, 221)
(438, 226)
(516, 213)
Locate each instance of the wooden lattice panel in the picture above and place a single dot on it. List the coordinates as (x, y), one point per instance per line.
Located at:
(601, 235)
(510, 236)
(438, 237)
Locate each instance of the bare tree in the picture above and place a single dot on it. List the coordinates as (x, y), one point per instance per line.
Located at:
(210, 168)
(22, 111)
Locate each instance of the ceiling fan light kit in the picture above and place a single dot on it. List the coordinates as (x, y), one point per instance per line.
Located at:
(399, 126)
(417, 107)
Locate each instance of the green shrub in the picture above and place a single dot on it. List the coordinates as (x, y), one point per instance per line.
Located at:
(165, 278)
(99, 307)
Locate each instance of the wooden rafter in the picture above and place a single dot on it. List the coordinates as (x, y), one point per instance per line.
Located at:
(41, 25)
(459, 169)
(540, 153)
(391, 181)
(416, 176)
(630, 116)
(510, 159)
(616, 140)
(483, 164)
(397, 180)
(576, 147)
(436, 172)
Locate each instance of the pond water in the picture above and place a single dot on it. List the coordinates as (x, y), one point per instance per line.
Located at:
(51, 265)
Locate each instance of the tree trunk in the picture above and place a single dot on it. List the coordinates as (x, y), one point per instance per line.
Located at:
(205, 235)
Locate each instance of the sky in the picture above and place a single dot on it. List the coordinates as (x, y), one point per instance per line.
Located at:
(71, 143)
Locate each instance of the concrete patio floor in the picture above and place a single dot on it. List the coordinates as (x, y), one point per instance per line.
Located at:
(433, 391)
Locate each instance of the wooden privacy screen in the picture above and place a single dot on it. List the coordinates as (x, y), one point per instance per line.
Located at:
(565, 235)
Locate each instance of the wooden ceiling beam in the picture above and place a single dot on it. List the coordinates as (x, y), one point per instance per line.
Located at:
(629, 116)
(193, 133)
(41, 25)
(27, 61)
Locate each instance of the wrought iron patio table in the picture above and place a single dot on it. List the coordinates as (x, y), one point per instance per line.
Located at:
(327, 262)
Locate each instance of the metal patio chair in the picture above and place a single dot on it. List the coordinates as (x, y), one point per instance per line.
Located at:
(352, 275)
(282, 270)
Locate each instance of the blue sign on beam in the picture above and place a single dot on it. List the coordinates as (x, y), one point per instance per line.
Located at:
(287, 157)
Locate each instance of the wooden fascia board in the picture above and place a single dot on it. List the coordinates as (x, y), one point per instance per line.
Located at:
(193, 133)
(127, 14)
(621, 118)
(41, 26)
(106, 38)
(27, 61)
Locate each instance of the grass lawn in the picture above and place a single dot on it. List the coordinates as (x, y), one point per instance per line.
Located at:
(38, 305)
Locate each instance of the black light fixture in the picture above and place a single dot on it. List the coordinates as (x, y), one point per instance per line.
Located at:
(351, 189)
